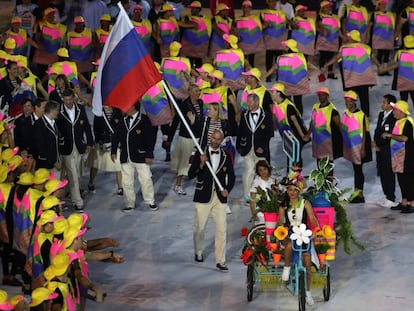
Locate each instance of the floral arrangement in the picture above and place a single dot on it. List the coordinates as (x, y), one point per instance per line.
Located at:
(259, 246)
(273, 245)
(268, 200)
(320, 241)
(324, 182)
(296, 179)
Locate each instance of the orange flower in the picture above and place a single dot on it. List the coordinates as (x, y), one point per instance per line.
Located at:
(327, 231)
(281, 233)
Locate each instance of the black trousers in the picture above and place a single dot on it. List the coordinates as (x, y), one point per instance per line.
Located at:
(324, 57)
(405, 180)
(271, 56)
(196, 62)
(297, 100)
(359, 178)
(250, 59)
(404, 95)
(164, 130)
(387, 176)
(17, 260)
(383, 56)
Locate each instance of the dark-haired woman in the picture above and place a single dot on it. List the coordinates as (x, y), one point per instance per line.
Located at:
(295, 213)
(10, 84)
(61, 83)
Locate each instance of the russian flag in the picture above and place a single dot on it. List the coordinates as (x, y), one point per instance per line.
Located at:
(126, 70)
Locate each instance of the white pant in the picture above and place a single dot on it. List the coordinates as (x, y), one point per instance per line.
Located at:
(202, 212)
(145, 180)
(72, 165)
(250, 161)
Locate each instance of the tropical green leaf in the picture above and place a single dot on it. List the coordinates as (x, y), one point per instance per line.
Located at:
(323, 163)
(320, 180)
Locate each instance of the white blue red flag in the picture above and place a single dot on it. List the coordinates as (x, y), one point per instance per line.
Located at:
(126, 70)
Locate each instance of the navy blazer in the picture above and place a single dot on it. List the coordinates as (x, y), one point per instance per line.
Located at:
(248, 138)
(185, 107)
(205, 184)
(23, 133)
(45, 144)
(135, 142)
(389, 122)
(79, 132)
(103, 127)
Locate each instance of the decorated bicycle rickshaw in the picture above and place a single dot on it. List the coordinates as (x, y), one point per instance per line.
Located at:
(263, 253)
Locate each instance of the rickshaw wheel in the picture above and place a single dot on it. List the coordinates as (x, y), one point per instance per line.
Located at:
(301, 292)
(250, 281)
(327, 288)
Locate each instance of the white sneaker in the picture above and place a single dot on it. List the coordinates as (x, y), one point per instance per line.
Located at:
(309, 298)
(285, 273)
(179, 190)
(386, 203)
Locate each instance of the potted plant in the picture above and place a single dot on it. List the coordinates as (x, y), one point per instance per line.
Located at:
(324, 188)
(273, 245)
(268, 202)
(277, 257)
(323, 183)
(321, 249)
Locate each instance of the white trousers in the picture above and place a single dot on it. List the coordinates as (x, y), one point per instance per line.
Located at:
(72, 165)
(202, 212)
(144, 178)
(249, 172)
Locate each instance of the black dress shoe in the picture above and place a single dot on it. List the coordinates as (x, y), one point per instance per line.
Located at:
(407, 209)
(222, 267)
(198, 258)
(357, 199)
(398, 207)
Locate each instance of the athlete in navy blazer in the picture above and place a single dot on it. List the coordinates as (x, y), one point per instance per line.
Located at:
(253, 138)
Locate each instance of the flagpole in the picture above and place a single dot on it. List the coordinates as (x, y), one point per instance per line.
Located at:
(184, 121)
